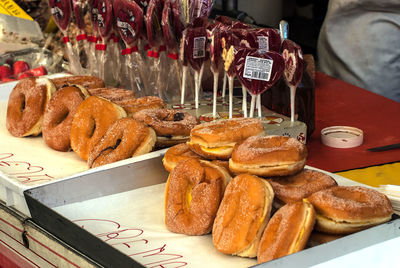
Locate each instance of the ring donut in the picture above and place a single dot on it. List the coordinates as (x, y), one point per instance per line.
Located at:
(26, 105)
(287, 231)
(193, 193)
(85, 81)
(349, 209)
(133, 106)
(125, 138)
(112, 94)
(268, 156)
(58, 116)
(177, 153)
(171, 126)
(91, 120)
(242, 216)
(294, 188)
(215, 140)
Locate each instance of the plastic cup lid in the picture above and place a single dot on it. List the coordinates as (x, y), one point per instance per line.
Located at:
(342, 136)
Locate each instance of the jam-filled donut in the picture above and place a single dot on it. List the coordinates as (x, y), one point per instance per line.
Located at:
(58, 116)
(171, 126)
(348, 209)
(91, 120)
(177, 153)
(289, 189)
(287, 231)
(26, 105)
(86, 81)
(133, 106)
(112, 94)
(242, 216)
(268, 156)
(215, 140)
(125, 138)
(192, 196)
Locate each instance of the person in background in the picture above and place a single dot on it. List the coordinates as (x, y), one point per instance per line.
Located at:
(359, 42)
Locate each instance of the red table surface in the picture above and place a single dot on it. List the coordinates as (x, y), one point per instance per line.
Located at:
(340, 103)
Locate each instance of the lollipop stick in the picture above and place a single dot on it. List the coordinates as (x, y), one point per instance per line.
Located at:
(129, 72)
(230, 81)
(76, 67)
(215, 94)
(196, 88)
(244, 100)
(224, 85)
(252, 105)
(178, 73)
(259, 105)
(292, 102)
(184, 75)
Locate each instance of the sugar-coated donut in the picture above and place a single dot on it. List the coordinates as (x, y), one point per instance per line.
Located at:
(268, 156)
(125, 138)
(171, 126)
(86, 81)
(133, 106)
(91, 120)
(26, 105)
(287, 231)
(348, 209)
(289, 189)
(58, 116)
(112, 94)
(242, 216)
(215, 140)
(177, 153)
(192, 196)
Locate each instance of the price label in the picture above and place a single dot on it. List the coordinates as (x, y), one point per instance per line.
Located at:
(257, 68)
(199, 47)
(263, 45)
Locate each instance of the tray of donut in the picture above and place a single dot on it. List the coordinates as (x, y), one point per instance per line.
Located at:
(231, 196)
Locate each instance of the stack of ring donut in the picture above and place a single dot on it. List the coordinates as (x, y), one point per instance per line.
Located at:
(287, 232)
(125, 138)
(349, 209)
(289, 189)
(133, 106)
(268, 156)
(177, 153)
(58, 116)
(242, 216)
(192, 196)
(171, 126)
(112, 94)
(82, 80)
(91, 120)
(26, 106)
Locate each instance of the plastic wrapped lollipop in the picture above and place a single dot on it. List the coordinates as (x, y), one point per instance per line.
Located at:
(293, 73)
(62, 14)
(195, 53)
(79, 10)
(173, 79)
(104, 23)
(156, 59)
(129, 19)
(257, 71)
(215, 59)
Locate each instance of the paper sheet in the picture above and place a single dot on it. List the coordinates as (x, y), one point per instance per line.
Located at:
(133, 222)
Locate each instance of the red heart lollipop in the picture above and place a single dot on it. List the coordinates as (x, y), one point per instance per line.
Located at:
(105, 17)
(267, 39)
(195, 47)
(167, 27)
(61, 11)
(153, 23)
(93, 14)
(176, 19)
(129, 17)
(258, 71)
(79, 13)
(293, 57)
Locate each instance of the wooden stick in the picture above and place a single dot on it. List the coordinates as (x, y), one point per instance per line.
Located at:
(259, 105)
(252, 105)
(215, 94)
(230, 81)
(224, 85)
(184, 77)
(292, 102)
